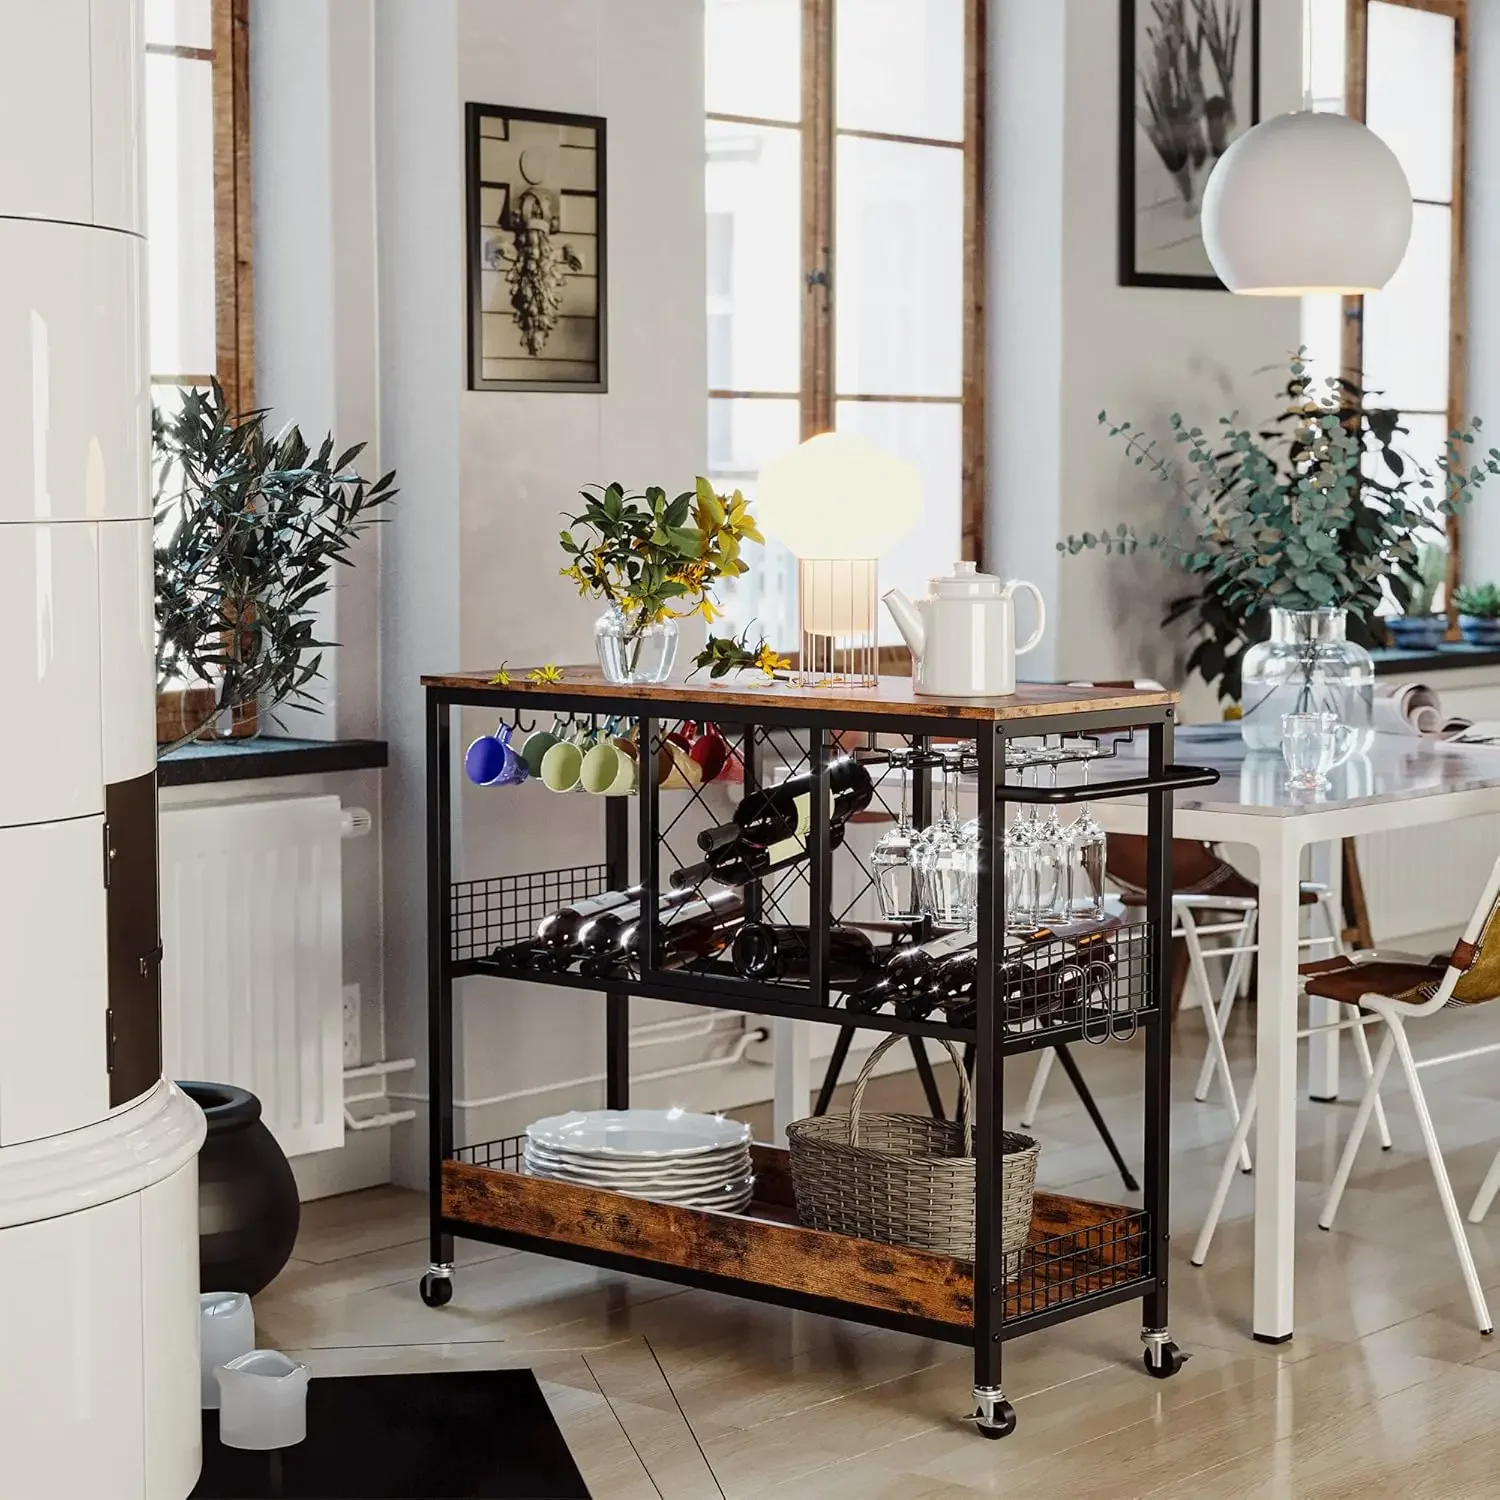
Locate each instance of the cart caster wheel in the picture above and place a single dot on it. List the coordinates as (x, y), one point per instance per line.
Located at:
(1164, 1362)
(437, 1291)
(999, 1422)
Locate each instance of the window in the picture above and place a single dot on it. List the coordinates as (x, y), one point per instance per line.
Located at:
(1400, 66)
(198, 195)
(844, 172)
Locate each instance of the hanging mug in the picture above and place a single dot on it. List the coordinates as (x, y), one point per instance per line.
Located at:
(538, 743)
(562, 765)
(490, 760)
(710, 752)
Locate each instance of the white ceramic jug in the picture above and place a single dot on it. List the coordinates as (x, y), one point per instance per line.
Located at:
(963, 634)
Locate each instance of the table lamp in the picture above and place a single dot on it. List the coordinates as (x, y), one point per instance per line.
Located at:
(838, 502)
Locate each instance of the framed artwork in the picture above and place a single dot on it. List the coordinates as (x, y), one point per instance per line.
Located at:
(536, 250)
(1189, 85)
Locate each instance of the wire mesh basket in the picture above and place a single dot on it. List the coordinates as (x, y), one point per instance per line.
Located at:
(905, 1179)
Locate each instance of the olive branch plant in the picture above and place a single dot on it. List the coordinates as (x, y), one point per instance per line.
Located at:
(1320, 508)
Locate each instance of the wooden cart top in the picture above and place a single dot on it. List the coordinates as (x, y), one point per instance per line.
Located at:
(893, 697)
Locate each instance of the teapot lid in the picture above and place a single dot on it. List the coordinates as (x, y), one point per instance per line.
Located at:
(966, 582)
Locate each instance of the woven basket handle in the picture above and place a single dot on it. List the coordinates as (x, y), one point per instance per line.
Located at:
(965, 1103)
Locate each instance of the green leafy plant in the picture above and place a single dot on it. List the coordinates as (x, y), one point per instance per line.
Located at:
(723, 655)
(1479, 601)
(1318, 508)
(653, 558)
(246, 527)
(1430, 575)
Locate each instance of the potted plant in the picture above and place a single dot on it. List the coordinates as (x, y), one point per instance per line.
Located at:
(653, 561)
(1291, 537)
(1418, 628)
(1479, 613)
(246, 525)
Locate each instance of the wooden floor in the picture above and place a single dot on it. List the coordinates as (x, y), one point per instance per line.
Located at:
(1386, 1390)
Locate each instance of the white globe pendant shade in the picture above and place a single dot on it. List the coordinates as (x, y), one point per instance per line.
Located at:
(838, 496)
(1307, 202)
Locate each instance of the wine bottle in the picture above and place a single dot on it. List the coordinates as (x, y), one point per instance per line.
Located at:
(774, 814)
(559, 931)
(762, 951)
(903, 972)
(741, 863)
(699, 926)
(600, 932)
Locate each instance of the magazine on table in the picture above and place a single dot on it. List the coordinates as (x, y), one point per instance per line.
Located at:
(1414, 710)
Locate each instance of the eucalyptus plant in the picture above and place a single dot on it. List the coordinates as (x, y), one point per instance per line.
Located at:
(247, 525)
(1318, 509)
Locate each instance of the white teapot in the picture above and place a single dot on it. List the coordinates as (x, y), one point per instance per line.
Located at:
(963, 634)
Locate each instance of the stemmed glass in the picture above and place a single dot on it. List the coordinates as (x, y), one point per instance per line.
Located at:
(896, 860)
(947, 862)
(1020, 865)
(1049, 854)
(1085, 854)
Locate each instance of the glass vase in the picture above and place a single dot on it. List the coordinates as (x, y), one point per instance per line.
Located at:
(632, 652)
(1307, 666)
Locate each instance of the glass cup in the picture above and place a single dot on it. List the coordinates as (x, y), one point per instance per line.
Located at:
(896, 860)
(948, 861)
(1312, 745)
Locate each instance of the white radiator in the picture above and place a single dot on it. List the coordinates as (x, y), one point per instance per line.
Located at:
(252, 968)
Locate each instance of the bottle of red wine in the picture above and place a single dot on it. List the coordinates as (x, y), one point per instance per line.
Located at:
(558, 933)
(698, 927)
(762, 951)
(601, 931)
(739, 862)
(904, 972)
(777, 813)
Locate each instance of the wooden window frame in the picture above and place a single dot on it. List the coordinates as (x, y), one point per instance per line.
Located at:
(818, 392)
(1356, 96)
(234, 302)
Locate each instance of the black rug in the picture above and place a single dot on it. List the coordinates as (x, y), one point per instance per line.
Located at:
(466, 1435)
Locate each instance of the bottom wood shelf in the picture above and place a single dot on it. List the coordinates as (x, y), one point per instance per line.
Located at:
(1079, 1253)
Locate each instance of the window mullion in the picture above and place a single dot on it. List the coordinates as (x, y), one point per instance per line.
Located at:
(817, 216)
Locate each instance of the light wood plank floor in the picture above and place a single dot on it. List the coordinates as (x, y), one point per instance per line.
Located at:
(1387, 1388)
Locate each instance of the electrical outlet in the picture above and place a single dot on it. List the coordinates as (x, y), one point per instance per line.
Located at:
(353, 1052)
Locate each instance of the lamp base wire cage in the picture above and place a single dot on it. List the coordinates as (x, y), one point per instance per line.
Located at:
(838, 603)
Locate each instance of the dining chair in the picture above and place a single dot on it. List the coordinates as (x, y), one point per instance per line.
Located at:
(1390, 991)
(1210, 899)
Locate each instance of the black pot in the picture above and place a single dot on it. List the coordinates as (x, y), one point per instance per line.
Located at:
(248, 1209)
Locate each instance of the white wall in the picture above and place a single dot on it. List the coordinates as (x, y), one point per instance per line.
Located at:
(1067, 341)
(471, 574)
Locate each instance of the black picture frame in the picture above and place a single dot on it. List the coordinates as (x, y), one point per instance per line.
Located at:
(475, 115)
(1131, 273)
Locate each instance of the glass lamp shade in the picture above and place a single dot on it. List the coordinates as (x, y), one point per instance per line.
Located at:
(839, 496)
(1307, 202)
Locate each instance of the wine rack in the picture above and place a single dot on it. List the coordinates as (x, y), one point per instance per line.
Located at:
(1101, 982)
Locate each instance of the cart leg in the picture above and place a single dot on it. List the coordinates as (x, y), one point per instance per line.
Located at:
(993, 1414)
(437, 1284)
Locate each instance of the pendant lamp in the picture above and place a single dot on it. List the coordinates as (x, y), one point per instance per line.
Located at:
(1307, 202)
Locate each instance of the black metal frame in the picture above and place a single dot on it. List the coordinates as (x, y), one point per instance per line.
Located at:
(989, 1039)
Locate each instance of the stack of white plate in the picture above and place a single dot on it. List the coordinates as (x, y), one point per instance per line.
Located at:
(699, 1161)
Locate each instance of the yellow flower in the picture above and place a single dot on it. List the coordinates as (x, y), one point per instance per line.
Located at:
(502, 677)
(707, 608)
(549, 673)
(768, 661)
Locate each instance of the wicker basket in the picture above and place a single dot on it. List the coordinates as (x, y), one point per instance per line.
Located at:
(907, 1179)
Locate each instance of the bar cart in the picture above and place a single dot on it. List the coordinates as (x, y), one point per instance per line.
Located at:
(1080, 1255)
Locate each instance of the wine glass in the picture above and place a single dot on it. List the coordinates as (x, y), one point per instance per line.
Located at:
(1085, 860)
(1049, 854)
(947, 862)
(1020, 859)
(896, 860)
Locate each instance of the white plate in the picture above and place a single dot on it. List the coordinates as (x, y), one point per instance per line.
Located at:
(649, 1134)
(716, 1169)
(697, 1197)
(708, 1182)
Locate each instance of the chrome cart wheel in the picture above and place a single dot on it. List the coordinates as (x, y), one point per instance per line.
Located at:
(437, 1286)
(1162, 1358)
(994, 1416)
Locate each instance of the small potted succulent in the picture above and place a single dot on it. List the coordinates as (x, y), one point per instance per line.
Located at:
(1479, 613)
(1418, 628)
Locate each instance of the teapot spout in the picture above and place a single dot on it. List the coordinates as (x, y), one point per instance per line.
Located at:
(908, 622)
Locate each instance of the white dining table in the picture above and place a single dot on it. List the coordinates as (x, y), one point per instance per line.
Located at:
(1399, 783)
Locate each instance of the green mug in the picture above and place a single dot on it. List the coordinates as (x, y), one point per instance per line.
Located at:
(599, 768)
(628, 776)
(562, 764)
(538, 743)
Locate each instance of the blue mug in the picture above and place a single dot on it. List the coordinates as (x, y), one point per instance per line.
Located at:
(490, 761)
